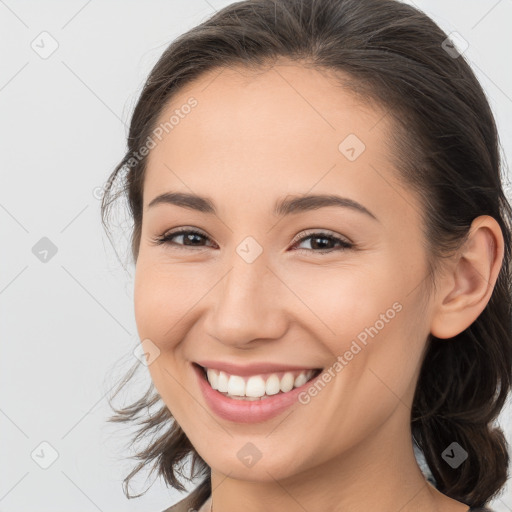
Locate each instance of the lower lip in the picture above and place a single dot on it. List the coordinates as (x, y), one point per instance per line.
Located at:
(242, 411)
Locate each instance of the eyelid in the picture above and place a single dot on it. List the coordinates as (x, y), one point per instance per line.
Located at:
(320, 231)
(185, 229)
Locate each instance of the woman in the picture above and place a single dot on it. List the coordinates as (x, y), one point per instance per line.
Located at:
(322, 250)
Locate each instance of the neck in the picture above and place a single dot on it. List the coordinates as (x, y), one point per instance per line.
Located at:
(379, 473)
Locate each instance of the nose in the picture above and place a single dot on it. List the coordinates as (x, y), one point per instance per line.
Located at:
(247, 306)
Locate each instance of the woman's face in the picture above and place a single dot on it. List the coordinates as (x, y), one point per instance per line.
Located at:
(255, 287)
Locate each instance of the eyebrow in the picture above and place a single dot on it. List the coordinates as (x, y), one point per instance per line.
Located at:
(282, 207)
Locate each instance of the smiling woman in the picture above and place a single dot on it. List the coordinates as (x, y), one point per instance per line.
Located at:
(322, 248)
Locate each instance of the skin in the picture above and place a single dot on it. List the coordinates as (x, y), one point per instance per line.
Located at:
(254, 138)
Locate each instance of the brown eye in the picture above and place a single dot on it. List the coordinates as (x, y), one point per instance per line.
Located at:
(320, 242)
(189, 238)
(323, 243)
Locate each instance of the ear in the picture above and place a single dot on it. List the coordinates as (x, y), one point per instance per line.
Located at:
(464, 291)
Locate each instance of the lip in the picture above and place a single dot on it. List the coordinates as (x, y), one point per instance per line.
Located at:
(251, 369)
(240, 411)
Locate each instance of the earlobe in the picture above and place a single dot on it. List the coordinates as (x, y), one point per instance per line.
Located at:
(464, 291)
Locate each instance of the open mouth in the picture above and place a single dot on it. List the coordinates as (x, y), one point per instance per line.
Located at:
(257, 387)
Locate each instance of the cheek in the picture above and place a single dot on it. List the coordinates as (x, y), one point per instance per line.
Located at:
(342, 301)
(160, 305)
(160, 300)
(364, 318)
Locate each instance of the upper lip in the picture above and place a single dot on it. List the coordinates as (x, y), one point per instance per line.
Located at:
(251, 369)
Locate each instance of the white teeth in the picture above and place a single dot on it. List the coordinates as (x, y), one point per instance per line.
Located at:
(273, 385)
(213, 378)
(287, 382)
(222, 382)
(300, 380)
(236, 386)
(256, 386)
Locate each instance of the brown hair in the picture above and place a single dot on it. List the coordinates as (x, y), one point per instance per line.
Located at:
(447, 151)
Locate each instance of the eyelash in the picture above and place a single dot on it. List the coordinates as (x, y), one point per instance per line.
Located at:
(167, 237)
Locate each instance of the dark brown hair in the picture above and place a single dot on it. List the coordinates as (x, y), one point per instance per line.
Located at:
(447, 150)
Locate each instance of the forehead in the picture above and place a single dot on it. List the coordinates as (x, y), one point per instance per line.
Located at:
(280, 130)
(272, 109)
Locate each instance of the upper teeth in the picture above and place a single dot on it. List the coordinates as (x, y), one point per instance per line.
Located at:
(257, 385)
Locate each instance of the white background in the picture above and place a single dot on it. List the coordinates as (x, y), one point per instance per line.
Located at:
(67, 326)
